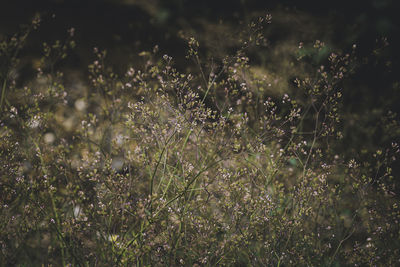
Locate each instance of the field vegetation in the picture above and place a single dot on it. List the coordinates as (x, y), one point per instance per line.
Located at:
(247, 153)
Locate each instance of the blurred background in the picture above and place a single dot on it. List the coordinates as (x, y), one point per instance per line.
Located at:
(126, 27)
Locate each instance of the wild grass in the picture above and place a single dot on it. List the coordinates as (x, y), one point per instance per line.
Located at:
(161, 167)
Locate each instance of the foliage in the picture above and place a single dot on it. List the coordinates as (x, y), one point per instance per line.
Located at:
(161, 167)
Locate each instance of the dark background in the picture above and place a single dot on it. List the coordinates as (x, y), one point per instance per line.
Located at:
(126, 27)
(113, 23)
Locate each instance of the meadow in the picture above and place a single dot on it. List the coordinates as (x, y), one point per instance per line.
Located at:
(217, 161)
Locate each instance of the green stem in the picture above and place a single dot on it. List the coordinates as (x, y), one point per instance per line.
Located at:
(155, 171)
(54, 209)
(3, 94)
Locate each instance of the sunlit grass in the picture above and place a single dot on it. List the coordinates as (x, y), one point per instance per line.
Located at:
(231, 164)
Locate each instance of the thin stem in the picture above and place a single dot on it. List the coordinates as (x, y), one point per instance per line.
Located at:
(3, 94)
(155, 171)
